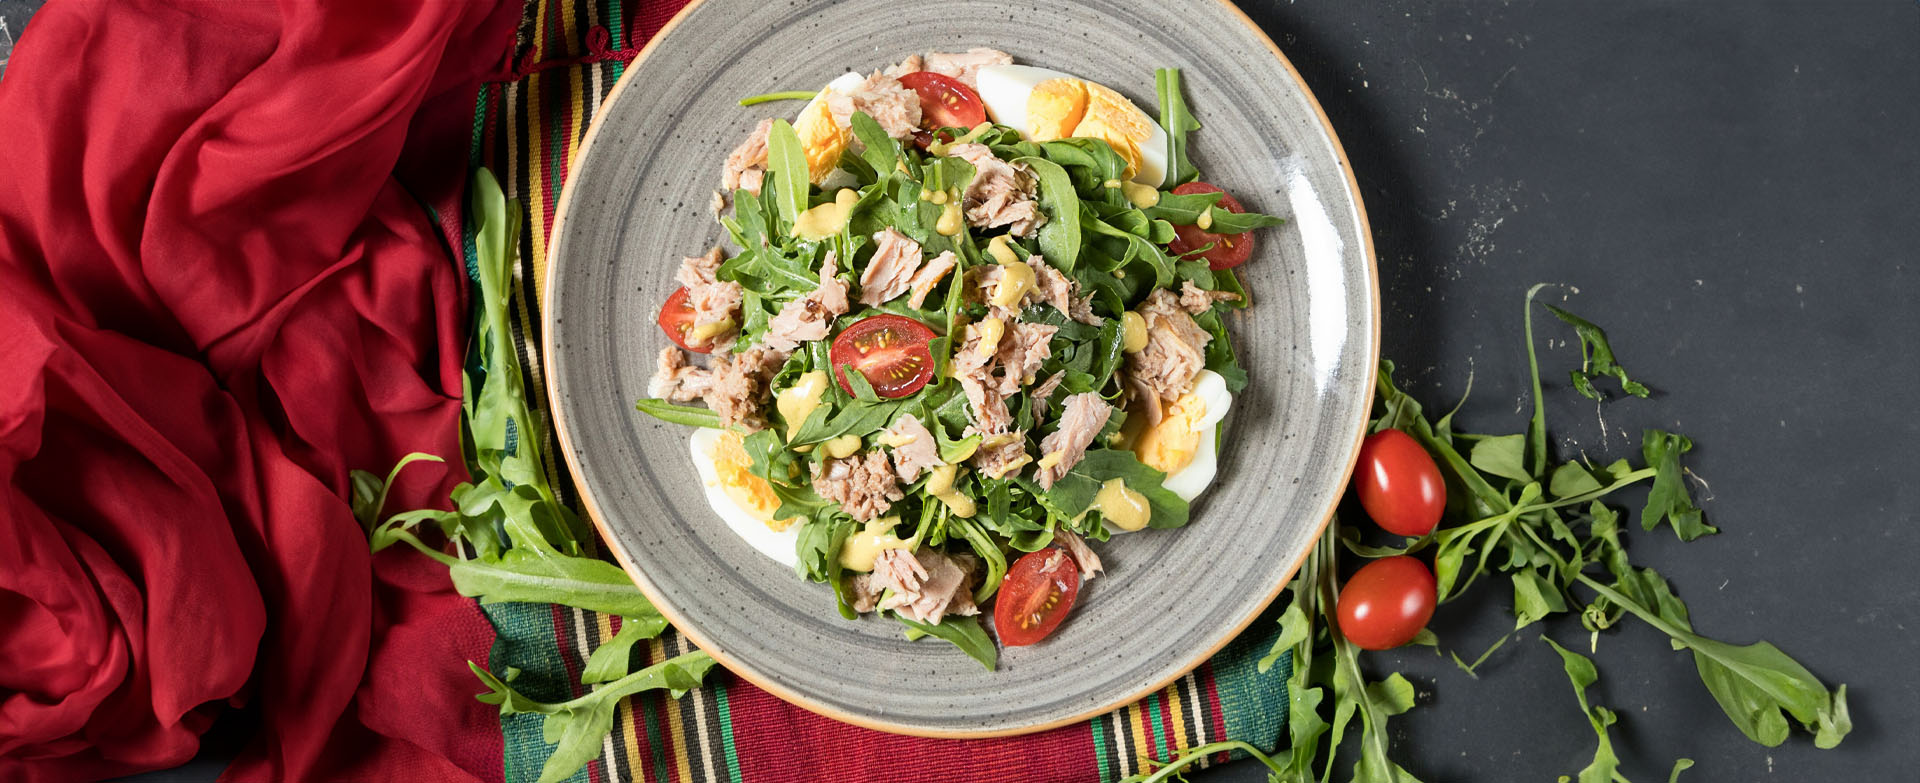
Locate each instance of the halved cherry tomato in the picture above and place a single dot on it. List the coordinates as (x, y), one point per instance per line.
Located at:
(945, 102)
(1386, 603)
(1229, 250)
(1036, 595)
(890, 350)
(676, 319)
(1398, 483)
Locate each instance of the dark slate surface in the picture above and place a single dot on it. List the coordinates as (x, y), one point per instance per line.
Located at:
(1732, 189)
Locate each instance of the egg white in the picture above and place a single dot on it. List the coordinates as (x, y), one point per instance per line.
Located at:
(776, 544)
(1006, 88)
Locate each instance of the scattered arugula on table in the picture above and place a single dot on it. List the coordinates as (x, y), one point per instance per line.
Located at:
(512, 539)
(1545, 527)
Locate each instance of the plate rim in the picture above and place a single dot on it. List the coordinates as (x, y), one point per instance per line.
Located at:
(590, 507)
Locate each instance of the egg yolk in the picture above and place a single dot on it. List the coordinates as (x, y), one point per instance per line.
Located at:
(821, 139)
(1062, 108)
(1170, 446)
(750, 492)
(1055, 107)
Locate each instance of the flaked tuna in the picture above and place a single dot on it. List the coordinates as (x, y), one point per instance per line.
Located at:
(1077, 549)
(914, 449)
(882, 97)
(1175, 351)
(733, 385)
(863, 484)
(965, 66)
(925, 586)
(929, 276)
(1080, 422)
(809, 317)
(713, 301)
(896, 258)
(1000, 193)
(1000, 454)
(1197, 300)
(746, 166)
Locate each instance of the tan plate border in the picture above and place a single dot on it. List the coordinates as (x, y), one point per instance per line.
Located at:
(794, 697)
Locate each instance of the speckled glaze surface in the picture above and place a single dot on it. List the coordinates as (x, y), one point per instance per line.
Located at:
(637, 202)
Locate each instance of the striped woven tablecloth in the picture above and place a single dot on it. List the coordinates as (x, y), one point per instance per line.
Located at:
(527, 125)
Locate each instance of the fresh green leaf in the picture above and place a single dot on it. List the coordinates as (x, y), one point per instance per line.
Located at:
(1060, 235)
(1605, 765)
(679, 414)
(962, 632)
(1596, 358)
(577, 728)
(1668, 500)
(1074, 492)
(613, 657)
(877, 148)
(787, 171)
(1178, 121)
(1224, 222)
(1503, 456)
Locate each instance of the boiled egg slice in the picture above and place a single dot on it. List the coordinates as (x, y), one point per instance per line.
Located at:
(822, 139)
(743, 500)
(1046, 104)
(1184, 443)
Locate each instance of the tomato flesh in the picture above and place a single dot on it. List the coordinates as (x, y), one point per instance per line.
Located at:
(889, 350)
(1398, 483)
(1035, 596)
(945, 102)
(1386, 603)
(1228, 250)
(676, 319)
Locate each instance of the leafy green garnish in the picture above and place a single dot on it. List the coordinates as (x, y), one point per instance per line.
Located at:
(787, 169)
(578, 727)
(1178, 121)
(962, 632)
(788, 95)
(679, 414)
(1060, 236)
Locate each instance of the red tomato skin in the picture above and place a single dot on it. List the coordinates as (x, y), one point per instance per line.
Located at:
(945, 102)
(1398, 483)
(1386, 603)
(914, 346)
(1229, 250)
(1018, 596)
(676, 317)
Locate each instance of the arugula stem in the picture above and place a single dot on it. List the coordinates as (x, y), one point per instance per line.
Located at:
(789, 95)
(1537, 428)
(1195, 754)
(1621, 600)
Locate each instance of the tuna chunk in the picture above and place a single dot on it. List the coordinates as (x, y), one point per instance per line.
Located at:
(1011, 364)
(1055, 288)
(747, 165)
(1000, 455)
(733, 385)
(1000, 193)
(929, 276)
(1197, 300)
(965, 66)
(1077, 549)
(913, 64)
(882, 97)
(895, 260)
(675, 380)
(713, 300)
(1021, 350)
(1044, 391)
(925, 586)
(915, 450)
(809, 317)
(1174, 353)
(985, 406)
(862, 484)
(1080, 423)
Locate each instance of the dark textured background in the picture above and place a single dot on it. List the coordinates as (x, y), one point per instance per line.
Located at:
(1732, 189)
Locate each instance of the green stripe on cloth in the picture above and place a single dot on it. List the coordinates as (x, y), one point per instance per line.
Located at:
(526, 641)
(1254, 706)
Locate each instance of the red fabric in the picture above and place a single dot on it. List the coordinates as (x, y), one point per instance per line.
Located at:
(216, 299)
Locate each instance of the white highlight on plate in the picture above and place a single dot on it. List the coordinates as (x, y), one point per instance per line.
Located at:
(1326, 272)
(779, 545)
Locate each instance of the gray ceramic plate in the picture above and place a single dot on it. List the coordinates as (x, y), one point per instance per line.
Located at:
(637, 203)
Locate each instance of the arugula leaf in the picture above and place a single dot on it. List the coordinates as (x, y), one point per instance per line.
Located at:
(1596, 358)
(1668, 500)
(1060, 235)
(679, 414)
(962, 632)
(1605, 765)
(787, 170)
(1503, 456)
(1074, 492)
(1182, 209)
(577, 727)
(1225, 222)
(1178, 121)
(613, 657)
(877, 148)
(369, 492)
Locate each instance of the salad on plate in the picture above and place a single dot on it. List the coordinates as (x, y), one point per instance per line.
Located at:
(974, 325)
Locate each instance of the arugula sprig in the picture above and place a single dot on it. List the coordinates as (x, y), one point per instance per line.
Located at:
(1548, 529)
(512, 539)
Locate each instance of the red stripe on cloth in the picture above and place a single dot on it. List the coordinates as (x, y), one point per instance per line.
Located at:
(766, 731)
(1216, 716)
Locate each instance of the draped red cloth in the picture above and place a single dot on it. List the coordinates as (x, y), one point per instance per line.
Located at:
(217, 298)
